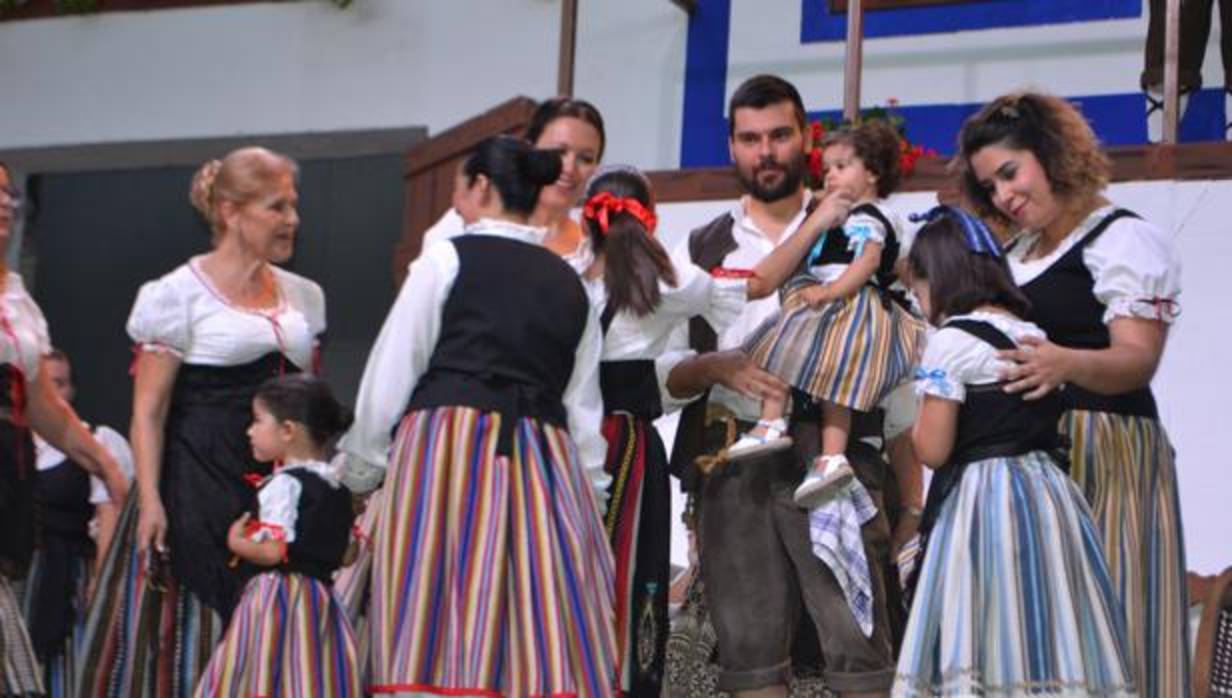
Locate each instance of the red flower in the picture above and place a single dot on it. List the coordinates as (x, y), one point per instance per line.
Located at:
(814, 164)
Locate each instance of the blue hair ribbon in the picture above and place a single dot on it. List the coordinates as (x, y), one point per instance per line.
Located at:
(980, 239)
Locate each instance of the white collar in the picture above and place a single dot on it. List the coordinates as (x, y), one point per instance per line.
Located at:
(740, 215)
(508, 229)
(323, 470)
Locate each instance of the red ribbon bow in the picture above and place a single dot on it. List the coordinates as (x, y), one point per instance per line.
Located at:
(601, 206)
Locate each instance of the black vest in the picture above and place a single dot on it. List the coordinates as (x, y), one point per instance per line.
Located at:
(64, 491)
(510, 329)
(1063, 303)
(322, 527)
(834, 247)
(993, 423)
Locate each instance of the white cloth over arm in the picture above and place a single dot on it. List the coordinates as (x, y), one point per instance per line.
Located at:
(119, 449)
(584, 405)
(397, 360)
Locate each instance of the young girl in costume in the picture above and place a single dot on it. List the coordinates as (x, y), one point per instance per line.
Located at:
(289, 635)
(840, 337)
(644, 296)
(1013, 595)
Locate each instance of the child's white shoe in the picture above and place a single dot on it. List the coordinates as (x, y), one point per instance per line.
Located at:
(773, 438)
(828, 478)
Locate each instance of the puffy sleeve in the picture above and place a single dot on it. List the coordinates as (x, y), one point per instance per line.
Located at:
(584, 405)
(861, 229)
(1137, 271)
(397, 360)
(310, 300)
(160, 319)
(949, 359)
(278, 500)
(119, 449)
(720, 301)
(678, 349)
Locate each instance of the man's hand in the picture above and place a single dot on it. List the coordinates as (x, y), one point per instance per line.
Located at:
(733, 369)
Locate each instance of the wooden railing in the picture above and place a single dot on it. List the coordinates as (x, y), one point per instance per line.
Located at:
(432, 165)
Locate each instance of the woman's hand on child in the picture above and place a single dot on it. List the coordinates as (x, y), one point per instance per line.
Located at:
(1039, 368)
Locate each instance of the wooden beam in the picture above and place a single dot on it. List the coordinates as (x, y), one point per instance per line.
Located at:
(1172, 48)
(1189, 161)
(689, 6)
(854, 64)
(568, 45)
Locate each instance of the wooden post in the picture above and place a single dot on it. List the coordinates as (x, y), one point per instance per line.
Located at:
(568, 42)
(1172, 50)
(854, 64)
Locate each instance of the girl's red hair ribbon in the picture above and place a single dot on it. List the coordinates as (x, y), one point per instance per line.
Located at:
(601, 206)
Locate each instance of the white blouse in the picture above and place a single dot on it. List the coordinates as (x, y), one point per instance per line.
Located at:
(1136, 268)
(450, 225)
(954, 359)
(183, 313)
(719, 301)
(47, 456)
(23, 329)
(278, 500)
(404, 347)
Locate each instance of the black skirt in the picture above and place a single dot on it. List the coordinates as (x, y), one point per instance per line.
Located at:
(208, 472)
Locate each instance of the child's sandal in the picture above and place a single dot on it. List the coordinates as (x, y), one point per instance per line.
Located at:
(773, 439)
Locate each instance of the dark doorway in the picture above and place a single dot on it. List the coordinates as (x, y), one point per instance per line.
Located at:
(96, 237)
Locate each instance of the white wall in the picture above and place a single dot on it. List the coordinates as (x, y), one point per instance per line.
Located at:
(1194, 382)
(307, 67)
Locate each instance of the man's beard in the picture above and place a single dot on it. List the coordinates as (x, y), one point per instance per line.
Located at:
(788, 184)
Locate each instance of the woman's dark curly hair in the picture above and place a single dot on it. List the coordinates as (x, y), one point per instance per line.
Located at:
(1053, 130)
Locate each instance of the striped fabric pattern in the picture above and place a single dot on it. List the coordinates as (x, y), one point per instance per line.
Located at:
(1014, 597)
(289, 637)
(626, 462)
(143, 638)
(353, 582)
(491, 575)
(1125, 467)
(850, 352)
(20, 674)
(60, 671)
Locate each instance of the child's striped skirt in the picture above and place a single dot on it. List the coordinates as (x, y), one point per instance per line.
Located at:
(290, 637)
(850, 352)
(1014, 596)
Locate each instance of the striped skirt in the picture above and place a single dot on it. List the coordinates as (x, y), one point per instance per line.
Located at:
(145, 637)
(850, 352)
(59, 670)
(1014, 597)
(638, 524)
(491, 575)
(288, 637)
(353, 582)
(20, 674)
(1125, 467)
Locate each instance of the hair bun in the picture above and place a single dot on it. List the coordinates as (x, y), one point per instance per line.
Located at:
(201, 192)
(540, 167)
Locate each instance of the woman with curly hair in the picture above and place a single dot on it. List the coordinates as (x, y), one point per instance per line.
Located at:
(1103, 285)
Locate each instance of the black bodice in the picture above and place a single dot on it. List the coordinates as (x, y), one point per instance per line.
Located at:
(510, 330)
(1063, 303)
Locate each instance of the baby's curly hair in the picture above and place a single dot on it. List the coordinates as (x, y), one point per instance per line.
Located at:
(1056, 134)
(877, 145)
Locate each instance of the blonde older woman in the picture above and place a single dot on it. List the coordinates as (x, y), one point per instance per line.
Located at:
(208, 334)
